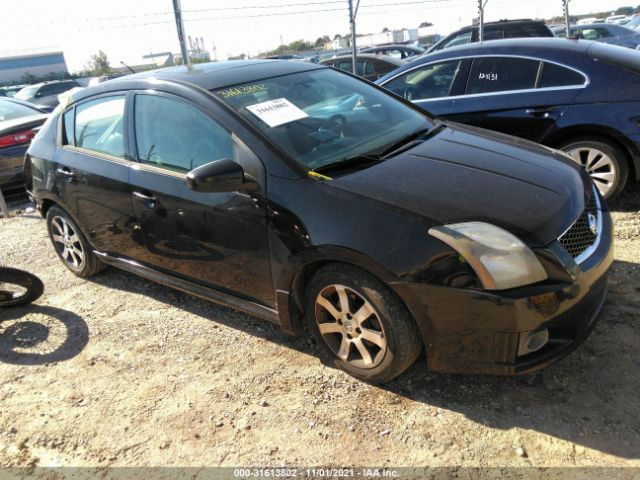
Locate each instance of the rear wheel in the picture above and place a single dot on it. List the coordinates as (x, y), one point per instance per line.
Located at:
(606, 164)
(360, 324)
(71, 245)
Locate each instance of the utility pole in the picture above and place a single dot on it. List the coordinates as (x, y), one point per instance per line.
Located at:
(352, 21)
(177, 11)
(565, 4)
(481, 5)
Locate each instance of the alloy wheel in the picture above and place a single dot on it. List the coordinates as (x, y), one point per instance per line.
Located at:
(67, 242)
(350, 326)
(599, 165)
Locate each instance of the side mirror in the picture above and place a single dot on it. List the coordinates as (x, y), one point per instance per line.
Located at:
(220, 176)
(38, 94)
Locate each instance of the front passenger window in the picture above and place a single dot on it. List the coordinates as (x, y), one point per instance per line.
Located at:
(173, 135)
(430, 81)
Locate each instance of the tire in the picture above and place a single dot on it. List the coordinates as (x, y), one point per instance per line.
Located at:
(12, 276)
(70, 244)
(376, 322)
(610, 160)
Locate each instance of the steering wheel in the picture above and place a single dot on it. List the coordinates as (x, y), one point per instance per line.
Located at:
(410, 92)
(334, 124)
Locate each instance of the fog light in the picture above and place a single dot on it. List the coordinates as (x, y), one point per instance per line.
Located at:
(532, 341)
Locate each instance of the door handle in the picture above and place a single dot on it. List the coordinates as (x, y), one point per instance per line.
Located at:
(66, 173)
(149, 201)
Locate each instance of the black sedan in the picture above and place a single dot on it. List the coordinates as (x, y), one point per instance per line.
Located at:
(578, 96)
(309, 197)
(17, 121)
(368, 65)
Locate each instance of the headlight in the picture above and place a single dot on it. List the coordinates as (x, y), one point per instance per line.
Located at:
(499, 259)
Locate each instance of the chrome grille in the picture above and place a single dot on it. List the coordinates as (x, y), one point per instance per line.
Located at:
(580, 237)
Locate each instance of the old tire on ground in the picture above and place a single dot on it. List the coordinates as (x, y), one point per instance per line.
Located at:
(29, 288)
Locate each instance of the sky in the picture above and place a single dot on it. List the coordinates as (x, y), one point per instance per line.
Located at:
(128, 29)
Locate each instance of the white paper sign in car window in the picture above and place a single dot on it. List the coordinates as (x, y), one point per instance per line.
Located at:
(277, 112)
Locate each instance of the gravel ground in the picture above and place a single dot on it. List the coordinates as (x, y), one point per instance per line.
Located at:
(118, 371)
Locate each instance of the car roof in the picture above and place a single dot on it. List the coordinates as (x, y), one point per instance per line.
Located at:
(392, 45)
(21, 102)
(214, 75)
(520, 46)
(367, 56)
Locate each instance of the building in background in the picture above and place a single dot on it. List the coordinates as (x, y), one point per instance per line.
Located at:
(40, 66)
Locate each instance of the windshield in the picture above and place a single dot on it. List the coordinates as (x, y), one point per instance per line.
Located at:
(321, 117)
(634, 24)
(12, 110)
(27, 93)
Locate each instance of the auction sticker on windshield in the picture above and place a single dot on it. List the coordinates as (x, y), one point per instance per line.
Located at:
(277, 112)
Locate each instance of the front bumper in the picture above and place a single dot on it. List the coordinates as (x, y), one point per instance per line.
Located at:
(479, 331)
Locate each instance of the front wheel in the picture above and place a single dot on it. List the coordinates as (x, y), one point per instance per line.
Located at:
(360, 324)
(606, 164)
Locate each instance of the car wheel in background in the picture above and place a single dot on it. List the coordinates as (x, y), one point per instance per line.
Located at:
(605, 163)
(71, 245)
(360, 323)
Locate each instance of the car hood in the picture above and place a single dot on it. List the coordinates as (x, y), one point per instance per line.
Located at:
(8, 126)
(465, 174)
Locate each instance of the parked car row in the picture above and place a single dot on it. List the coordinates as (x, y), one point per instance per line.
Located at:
(604, 32)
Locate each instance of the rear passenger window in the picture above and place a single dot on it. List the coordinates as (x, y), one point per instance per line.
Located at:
(176, 136)
(99, 126)
(500, 74)
(556, 76)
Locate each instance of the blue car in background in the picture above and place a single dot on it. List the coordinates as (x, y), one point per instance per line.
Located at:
(577, 96)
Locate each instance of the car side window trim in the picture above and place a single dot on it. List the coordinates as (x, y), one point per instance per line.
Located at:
(587, 81)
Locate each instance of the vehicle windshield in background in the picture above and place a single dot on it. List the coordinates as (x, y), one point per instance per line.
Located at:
(26, 93)
(11, 110)
(323, 117)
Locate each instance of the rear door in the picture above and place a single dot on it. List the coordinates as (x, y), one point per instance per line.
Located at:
(92, 169)
(516, 95)
(215, 239)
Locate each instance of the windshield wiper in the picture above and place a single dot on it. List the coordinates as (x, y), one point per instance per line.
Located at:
(349, 162)
(407, 141)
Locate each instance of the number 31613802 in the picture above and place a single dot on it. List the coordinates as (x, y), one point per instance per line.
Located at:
(488, 76)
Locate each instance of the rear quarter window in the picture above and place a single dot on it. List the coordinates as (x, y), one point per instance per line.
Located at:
(557, 76)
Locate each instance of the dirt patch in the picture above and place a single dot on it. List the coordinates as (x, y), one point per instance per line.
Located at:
(120, 371)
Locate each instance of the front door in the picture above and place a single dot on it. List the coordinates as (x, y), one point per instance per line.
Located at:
(432, 85)
(215, 239)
